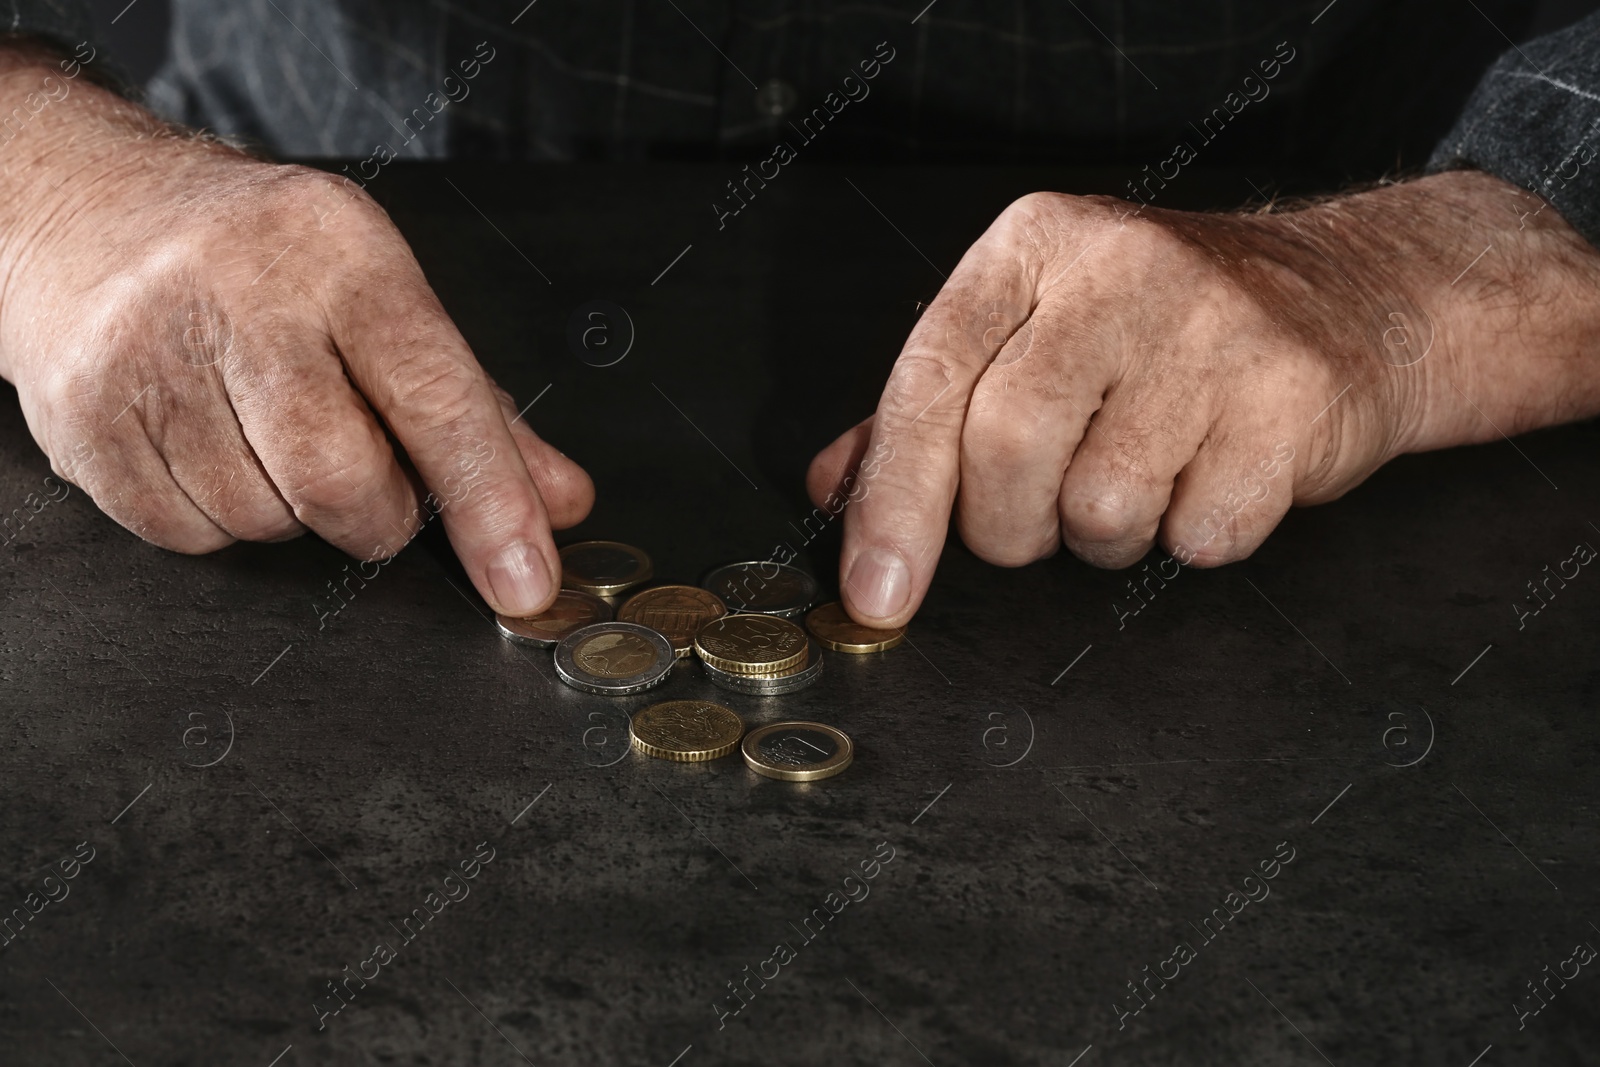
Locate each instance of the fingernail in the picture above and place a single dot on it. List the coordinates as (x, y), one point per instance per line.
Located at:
(879, 582)
(519, 580)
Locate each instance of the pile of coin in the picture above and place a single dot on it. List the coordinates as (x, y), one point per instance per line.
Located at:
(611, 638)
(691, 731)
(612, 646)
(762, 655)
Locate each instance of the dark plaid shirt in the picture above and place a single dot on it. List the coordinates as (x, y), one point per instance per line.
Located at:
(1368, 86)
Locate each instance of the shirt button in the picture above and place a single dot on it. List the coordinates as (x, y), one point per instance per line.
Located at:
(776, 98)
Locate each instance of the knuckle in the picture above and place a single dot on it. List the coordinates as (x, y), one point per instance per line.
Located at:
(1101, 516)
(305, 204)
(1212, 533)
(1206, 549)
(342, 479)
(1003, 551)
(66, 394)
(157, 518)
(1110, 207)
(1054, 213)
(1006, 438)
(1142, 241)
(300, 186)
(253, 513)
(191, 539)
(1033, 208)
(257, 527)
(1034, 225)
(920, 389)
(503, 398)
(434, 390)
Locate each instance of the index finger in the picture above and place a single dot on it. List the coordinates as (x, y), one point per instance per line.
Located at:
(895, 531)
(409, 360)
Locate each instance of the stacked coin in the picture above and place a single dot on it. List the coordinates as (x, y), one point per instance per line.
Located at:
(763, 587)
(759, 650)
(604, 568)
(762, 655)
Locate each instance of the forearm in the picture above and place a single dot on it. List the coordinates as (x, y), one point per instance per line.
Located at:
(1514, 292)
(1484, 308)
(1520, 295)
(1470, 303)
(1469, 309)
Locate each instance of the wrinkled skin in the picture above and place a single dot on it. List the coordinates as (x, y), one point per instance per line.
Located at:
(218, 348)
(1110, 378)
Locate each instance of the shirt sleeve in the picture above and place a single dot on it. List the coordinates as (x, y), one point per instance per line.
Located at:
(1534, 120)
(61, 22)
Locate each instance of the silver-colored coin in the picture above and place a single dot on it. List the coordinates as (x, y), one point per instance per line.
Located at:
(763, 587)
(770, 685)
(614, 658)
(797, 751)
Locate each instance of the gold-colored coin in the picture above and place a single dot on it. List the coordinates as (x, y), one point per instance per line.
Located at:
(571, 611)
(797, 751)
(675, 611)
(604, 568)
(688, 731)
(836, 630)
(751, 644)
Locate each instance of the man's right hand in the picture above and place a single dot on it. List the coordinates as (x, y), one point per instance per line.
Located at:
(230, 340)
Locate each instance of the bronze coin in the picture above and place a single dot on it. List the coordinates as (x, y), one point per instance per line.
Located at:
(675, 611)
(571, 611)
(834, 629)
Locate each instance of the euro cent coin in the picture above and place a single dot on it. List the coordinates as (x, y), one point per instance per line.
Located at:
(688, 731)
(768, 685)
(571, 611)
(604, 568)
(764, 588)
(797, 751)
(675, 611)
(751, 644)
(614, 658)
(836, 630)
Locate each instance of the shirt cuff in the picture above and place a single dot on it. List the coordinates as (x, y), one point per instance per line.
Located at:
(63, 23)
(1534, 121)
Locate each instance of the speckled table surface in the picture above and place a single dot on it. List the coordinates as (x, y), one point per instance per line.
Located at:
(250, 805)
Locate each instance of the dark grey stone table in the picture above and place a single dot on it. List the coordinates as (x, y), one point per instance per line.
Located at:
(1067, 799)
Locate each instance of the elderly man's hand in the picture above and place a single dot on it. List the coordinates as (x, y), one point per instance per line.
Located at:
(1110, 378)
(234, 343)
